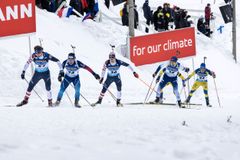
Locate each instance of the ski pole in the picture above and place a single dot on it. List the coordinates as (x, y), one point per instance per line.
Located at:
(185, 94)
(82, 96)
(147, 85)
(40, 42)
(148, 91)
(69, 97)
(151, 92)
(68, 94)
(204, 60)
(193, 67)
(73, 47)
(113, 47)
(34, 91)
(217, 92)
(181, 90)
(188, 87)
(112, 95)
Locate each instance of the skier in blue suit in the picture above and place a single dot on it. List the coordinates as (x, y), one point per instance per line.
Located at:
(72, 67)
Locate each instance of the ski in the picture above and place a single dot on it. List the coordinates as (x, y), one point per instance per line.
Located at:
(95, 104)
(9, 105)
(120, 105)
(169, 104)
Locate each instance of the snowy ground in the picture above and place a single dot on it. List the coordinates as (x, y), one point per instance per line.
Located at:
(118, 133)
(106, 132)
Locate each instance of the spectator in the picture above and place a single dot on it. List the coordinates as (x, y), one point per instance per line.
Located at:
(147, 14)
(167, 14)
(77, 5)
(208, 14)
(181, 18)
(49, 5)
(177, 17)
(203, 27)
(124, 15)
(136, 18)
(39, 4)
(107, 3)
(158, 19)
(185, 21)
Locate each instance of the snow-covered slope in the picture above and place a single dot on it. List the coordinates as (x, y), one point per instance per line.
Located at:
(107, 132)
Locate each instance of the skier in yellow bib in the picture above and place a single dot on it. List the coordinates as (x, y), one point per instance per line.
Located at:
(202, 81)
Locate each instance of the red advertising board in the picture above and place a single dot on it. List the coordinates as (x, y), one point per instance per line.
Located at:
(17, 17)
(162, 46)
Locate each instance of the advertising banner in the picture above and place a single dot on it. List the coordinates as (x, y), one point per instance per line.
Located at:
(17, 17)
(162, 46)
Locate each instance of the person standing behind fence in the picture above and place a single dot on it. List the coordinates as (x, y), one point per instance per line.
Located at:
(124, 15)
(147, 14)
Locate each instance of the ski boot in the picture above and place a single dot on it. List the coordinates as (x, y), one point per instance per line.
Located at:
(160, 101)
(57, 103)
(156, 101)
(207, 102)
(209, 105)
(180, 104)
(119, 104)
(76, 104)
(98, 102)
(24, 102)
(187, 101)
(50, 104)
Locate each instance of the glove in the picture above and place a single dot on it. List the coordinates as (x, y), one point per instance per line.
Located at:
(135, 75)
(59, 78)
(187, 69)
(96, 76)
(101, 80)
(183, 83)
(213, 75)
(158, 79)
(60, 75)
(23, 75)
(154, 74)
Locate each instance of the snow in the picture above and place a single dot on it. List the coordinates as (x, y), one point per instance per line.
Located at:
(107, 132)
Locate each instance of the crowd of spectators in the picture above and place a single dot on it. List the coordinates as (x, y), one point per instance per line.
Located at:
(81, 6)
(165, 16)
(49, 5)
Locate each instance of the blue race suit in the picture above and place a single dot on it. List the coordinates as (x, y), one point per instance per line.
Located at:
(72, 76)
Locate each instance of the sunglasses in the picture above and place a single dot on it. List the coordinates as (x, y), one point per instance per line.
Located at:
(39, 53)
(71, 59)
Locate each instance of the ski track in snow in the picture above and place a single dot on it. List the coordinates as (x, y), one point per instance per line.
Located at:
(107, 132)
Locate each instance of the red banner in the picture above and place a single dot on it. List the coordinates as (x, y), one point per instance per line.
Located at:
(17, 17)
(162, 46)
